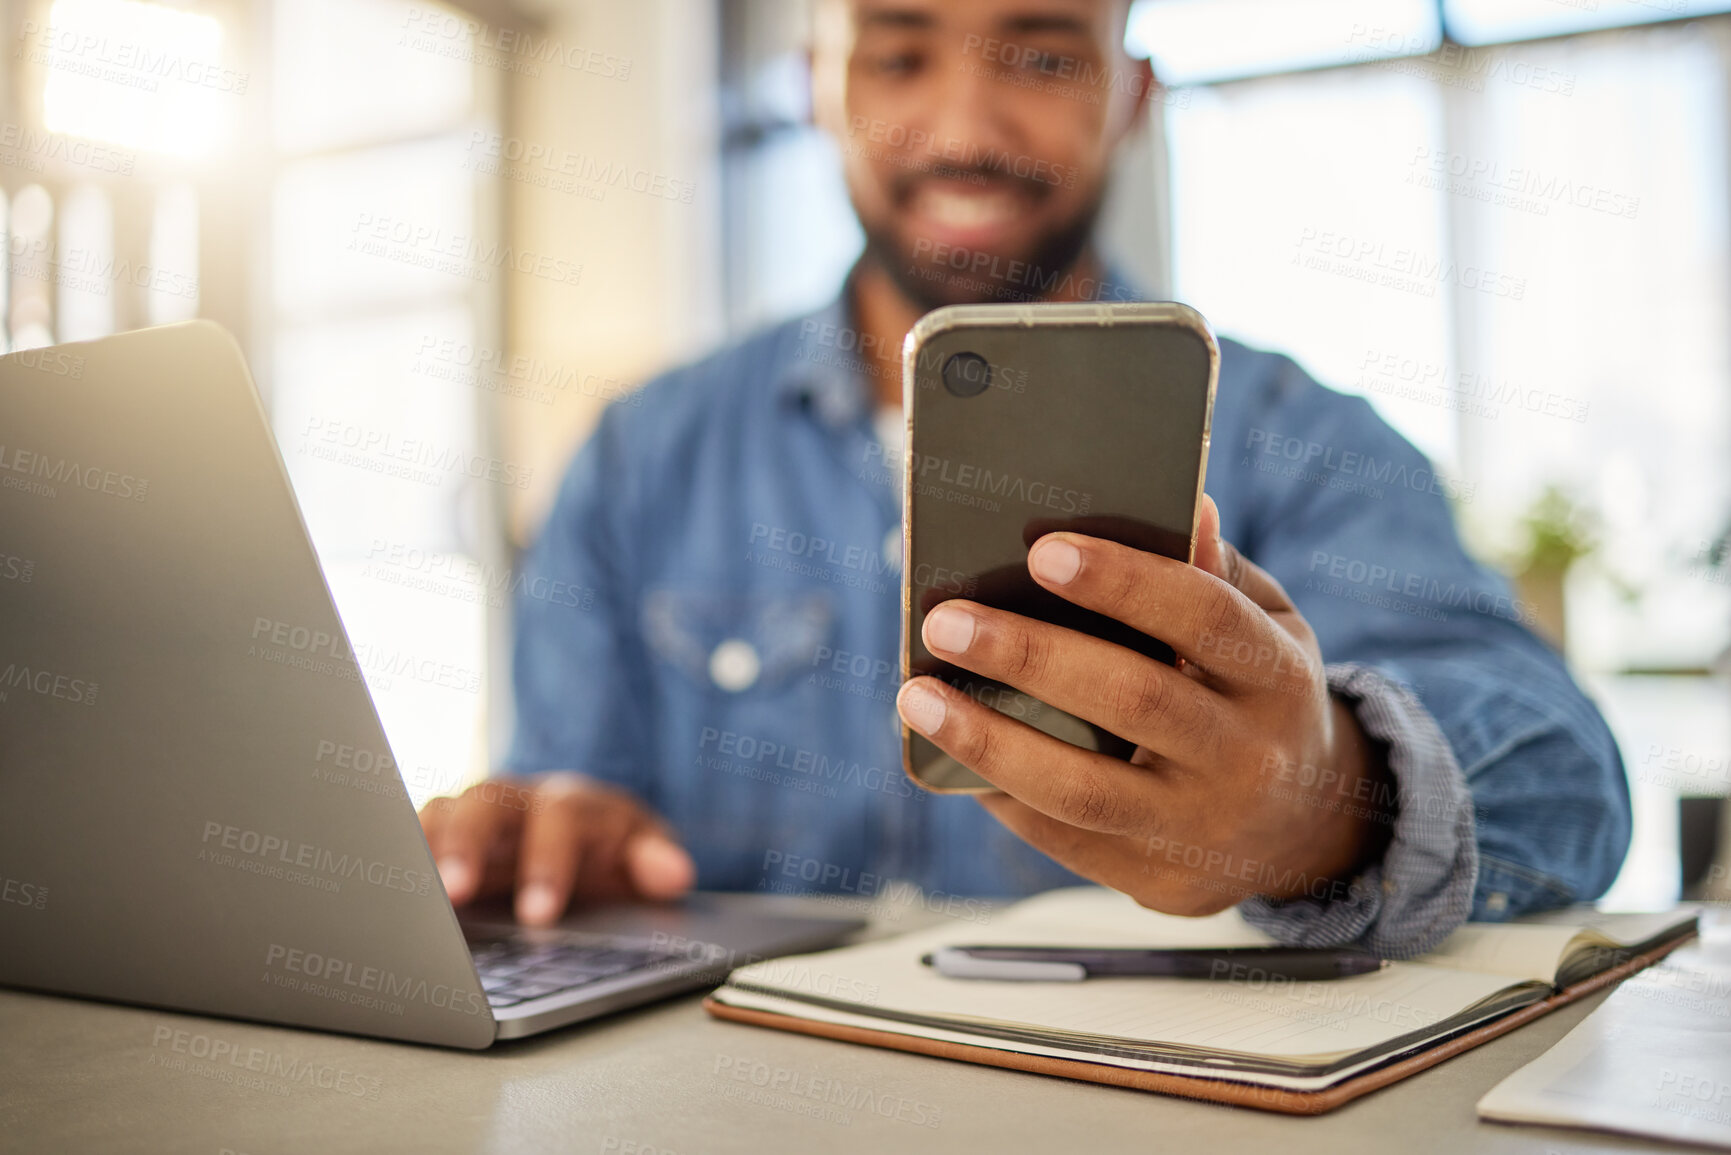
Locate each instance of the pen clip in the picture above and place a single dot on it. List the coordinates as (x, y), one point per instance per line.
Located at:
(954, 963)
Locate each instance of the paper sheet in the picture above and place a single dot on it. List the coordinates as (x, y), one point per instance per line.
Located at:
(1653, 1060)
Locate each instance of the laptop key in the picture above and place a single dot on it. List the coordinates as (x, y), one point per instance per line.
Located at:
(515, 970)
(574, 972)
(613, 962)
(502, 970)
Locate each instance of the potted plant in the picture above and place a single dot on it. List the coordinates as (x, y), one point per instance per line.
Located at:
(1556, 532)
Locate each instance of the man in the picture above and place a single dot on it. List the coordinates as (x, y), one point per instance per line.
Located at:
(1362, 742)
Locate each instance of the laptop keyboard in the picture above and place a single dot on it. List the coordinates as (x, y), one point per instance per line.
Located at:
(515, 968)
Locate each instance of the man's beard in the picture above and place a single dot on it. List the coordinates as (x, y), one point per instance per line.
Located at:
(1008, 277)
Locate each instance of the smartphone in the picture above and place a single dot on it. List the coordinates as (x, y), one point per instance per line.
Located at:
(1027, 419)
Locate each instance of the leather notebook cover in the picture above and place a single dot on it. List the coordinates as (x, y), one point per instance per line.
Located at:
(1239, 1094)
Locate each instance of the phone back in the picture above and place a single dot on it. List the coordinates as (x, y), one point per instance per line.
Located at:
(1028, 419)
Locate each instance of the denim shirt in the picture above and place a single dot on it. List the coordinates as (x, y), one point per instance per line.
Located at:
(726, 648)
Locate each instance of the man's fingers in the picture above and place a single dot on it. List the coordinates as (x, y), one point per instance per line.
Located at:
(658, 867)
(1144, 700)
(464, 839)
(1088, 854)
(553, 838)
(554, 833)
(1121, 863)
(1190, 610)
(1221, 558)
(1073, 785)
(582, 839)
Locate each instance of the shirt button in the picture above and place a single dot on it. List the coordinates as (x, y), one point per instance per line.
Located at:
(734, 665)
(893, 549)
(833, 406)
(1496, 903)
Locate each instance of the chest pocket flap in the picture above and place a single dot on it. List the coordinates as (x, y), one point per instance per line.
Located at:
(738, 643)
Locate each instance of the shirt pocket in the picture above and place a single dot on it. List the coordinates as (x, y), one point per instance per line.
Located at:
(743, 721)
(738, 646)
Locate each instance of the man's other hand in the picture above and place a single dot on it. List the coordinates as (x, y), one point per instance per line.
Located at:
(552, 839)
(1248, 777)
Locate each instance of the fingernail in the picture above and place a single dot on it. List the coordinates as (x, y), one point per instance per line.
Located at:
(921, 707)
(662, 868)
(537, 904)
(950, 629)
(1055, 561)
(457, 877)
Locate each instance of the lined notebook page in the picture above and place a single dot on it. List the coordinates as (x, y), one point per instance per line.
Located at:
(1517, 950)
(1536, 947)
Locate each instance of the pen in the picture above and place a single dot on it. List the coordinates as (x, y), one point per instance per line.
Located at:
(1226, 964)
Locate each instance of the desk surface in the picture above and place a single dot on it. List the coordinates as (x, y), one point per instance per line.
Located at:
(88, 1077)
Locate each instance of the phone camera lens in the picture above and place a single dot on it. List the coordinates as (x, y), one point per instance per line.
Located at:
(967, 374)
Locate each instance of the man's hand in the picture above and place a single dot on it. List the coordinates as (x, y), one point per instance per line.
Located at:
(552, 838)
(1249, 779)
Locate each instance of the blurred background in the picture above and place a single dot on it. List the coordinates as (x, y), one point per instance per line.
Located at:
(1507, 223)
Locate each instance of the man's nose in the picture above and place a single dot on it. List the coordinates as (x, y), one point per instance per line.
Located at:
(970, 117)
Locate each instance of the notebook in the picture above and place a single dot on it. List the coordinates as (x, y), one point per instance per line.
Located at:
(1288, 1046)
(1653, 1060)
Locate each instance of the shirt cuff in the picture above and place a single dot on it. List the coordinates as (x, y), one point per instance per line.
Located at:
(1423, 887)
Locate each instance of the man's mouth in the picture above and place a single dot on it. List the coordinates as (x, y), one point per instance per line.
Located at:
(966, 214)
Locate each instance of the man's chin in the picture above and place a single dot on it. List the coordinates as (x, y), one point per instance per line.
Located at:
(1030, 273)
(988, 279)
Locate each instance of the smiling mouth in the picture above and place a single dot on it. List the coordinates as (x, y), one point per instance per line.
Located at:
(967, 212)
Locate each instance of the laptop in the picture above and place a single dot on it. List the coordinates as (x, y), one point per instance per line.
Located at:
(175, 689)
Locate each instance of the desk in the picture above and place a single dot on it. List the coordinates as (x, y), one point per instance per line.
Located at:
(85, 1077)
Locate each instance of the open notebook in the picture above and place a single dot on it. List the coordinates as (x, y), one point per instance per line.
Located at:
(1297, 1038)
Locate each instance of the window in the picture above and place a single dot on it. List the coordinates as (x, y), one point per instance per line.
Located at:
(1488, 21)
(1518, 253)
(116, 101)
(1202, 41)
(790, 235)
(1289, 198)
(140, 74)
(384, 256)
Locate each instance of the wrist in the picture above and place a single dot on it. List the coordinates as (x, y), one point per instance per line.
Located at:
(1363, 822)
